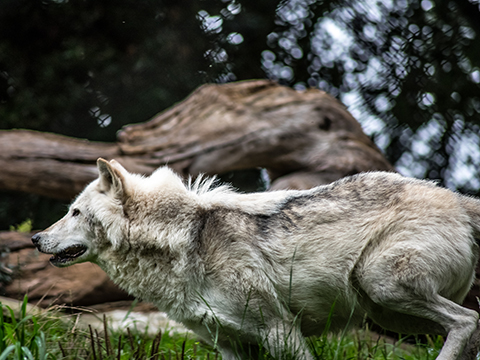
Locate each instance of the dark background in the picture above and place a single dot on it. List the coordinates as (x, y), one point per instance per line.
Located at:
(409, 71)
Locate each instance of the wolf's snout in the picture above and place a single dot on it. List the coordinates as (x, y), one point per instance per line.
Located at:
(36, 239)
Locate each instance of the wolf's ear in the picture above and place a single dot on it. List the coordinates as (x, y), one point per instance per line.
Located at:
(112, 177)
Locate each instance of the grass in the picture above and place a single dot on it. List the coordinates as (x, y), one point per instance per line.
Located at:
(52, 335)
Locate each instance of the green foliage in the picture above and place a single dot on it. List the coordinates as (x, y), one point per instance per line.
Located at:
(52, 335)
(365, 344)
(24, 227)
(22, 338)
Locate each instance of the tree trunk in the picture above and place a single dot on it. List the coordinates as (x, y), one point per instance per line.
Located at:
(302, 138)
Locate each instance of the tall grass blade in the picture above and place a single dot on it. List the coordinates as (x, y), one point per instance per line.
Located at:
(23, 313)
(2, 332)
(20, 329)
(139, 353)
(12, 317)
(64, 354)
(155, 346)
(36, 328)
(343, 333)
(99, 345)
(182, 357)
(92, 342)
(134, 303)
(246, 307)
(7, 352)
(41, 345)
(130, 339)
(119, 349)
(291, 279)
(18, 350)
(217, 322)
(27, 353)
(108, 344)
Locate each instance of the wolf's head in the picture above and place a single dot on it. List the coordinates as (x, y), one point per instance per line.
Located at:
(94, 222)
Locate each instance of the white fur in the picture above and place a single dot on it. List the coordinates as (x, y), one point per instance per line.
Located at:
(270, 267)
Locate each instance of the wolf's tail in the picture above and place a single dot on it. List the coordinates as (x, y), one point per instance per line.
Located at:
(472, 207)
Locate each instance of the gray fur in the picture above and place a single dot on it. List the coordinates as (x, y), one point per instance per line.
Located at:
(244, 269)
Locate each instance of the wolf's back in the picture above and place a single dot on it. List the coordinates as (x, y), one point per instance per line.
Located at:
(472, 208)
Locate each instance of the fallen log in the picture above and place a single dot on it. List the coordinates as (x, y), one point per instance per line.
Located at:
(303, 139)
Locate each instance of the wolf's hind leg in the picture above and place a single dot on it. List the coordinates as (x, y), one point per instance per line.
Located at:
(457, 322)
(400, 309)
(472, 348)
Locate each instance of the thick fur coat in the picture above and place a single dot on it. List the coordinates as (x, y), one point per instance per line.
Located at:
(262, 271)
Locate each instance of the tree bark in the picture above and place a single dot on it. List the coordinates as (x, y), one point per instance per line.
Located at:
(303, 139)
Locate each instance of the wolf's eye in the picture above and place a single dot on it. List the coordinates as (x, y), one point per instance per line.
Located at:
(75, 212)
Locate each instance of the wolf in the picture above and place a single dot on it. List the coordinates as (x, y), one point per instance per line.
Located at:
(259, 272)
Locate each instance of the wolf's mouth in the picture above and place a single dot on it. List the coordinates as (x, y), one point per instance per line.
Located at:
(68, 254)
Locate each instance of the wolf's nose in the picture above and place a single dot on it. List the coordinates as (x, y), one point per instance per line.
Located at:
(36, 239)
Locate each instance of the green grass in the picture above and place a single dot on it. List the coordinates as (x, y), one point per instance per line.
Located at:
(363, 344)
(53, 335)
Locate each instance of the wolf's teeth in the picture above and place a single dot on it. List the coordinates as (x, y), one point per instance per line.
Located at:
(68, 254)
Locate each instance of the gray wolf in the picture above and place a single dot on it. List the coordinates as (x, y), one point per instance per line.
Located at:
(262, 271)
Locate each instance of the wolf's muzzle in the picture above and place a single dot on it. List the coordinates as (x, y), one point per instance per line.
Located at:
(36, 239)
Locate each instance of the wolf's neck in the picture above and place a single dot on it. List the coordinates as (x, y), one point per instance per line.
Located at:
(159, 275)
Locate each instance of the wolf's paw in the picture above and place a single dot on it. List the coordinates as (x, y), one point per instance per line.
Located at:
(472, 348)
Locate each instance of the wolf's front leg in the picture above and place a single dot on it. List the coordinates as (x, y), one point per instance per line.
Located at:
(228, 352)
(285, 341)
